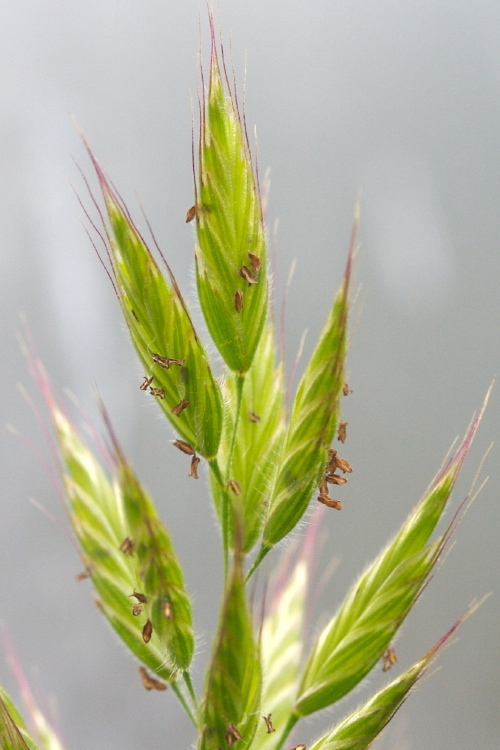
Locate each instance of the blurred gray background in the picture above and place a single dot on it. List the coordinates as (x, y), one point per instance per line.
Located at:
(399, 102)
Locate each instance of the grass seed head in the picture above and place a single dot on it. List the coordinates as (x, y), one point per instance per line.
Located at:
(161, 329)
(230, 228)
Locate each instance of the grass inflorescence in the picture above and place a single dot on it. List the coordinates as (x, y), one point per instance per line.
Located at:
(270, 460)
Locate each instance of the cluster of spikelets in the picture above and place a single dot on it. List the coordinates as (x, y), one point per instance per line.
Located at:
(266, 467)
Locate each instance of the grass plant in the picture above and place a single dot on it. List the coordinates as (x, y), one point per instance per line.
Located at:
(269, 464)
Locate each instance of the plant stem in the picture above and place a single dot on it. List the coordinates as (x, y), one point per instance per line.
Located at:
(262, 553)
(189, 684)
(224, 481)
(240, 382)
(290, 725)
(184, 703)
(214, 465)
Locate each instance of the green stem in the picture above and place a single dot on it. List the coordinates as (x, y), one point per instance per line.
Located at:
(224, 512)
(240, 382)
(224, 481)
(184, 703)
(290, 725)
(189, 684)
(262, 553)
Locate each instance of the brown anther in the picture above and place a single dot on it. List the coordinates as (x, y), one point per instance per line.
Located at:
(332, 461)
(147, 632)
(166, 362)
(232, 735)
(335, 479)
(81, 576)
(127, 547)
(149, 682)
(329, 502)
(323, 487)
(140, 597)
(190, 214)
(235, 486)
(255, 262)
(246, 274)
(269, 724)
(147, 382)
(162, 361)
(238, 300)
(158, 392)
(346, 390)
(136, 609)
(180, 407)
(341, 433)
(343, 465)
(389, 658)
(184, 447)
(194, 467)
(253, 417)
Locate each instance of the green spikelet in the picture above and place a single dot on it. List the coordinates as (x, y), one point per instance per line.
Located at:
(101, 515)
(126, 550)
(233, 684)
(231, 264)
(357, 731)
(162, 332)
(376, 606)
(167, 605)
(13, 732)
(258, 440)
(312, 424)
